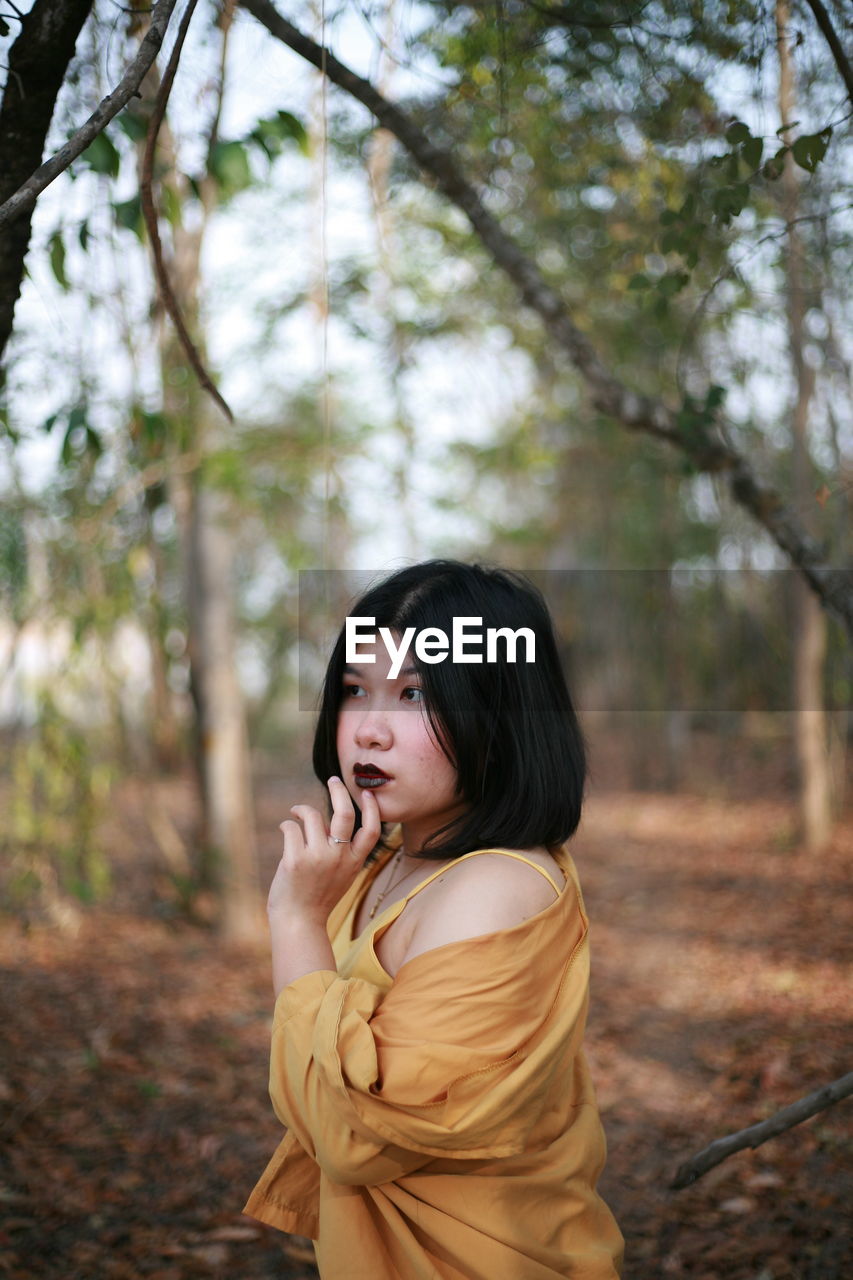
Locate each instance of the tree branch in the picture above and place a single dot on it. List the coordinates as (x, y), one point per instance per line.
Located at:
(824, 21)
(706, 451)
(149, 213)
(756, 1134)
(25, 197)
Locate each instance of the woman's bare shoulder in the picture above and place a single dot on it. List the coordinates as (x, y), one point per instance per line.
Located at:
(481, 895)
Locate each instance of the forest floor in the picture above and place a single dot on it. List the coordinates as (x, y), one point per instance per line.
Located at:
(134, 1116)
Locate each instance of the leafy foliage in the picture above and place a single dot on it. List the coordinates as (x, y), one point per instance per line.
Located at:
(229, 161)
(59, 796)
(13, 562)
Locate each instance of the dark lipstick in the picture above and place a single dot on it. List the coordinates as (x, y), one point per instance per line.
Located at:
(369, 775)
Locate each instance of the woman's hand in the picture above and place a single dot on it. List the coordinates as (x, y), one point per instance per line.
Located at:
(314, 871)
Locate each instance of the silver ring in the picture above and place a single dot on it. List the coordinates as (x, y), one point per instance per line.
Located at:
(335, 840)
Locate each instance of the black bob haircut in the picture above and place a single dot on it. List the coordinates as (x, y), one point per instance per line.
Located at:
(509, 729)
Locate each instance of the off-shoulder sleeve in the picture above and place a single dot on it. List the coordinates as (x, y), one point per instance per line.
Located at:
(451, 1062)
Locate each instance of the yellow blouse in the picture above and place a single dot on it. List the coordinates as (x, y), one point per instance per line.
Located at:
(442, 1125)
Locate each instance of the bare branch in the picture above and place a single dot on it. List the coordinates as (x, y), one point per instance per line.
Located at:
(707, 450)
(25, 197)
(226, 20)
(756, 1134)
(824, 21)
(149, 212)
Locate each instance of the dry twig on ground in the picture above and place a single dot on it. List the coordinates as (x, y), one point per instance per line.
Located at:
(719, 1150)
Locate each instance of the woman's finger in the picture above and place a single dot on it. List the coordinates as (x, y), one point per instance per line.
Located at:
(371, 826)
(343, 813)
(313, 824)
(294, 843)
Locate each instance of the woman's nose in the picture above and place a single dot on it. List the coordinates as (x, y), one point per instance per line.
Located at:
(373, 730)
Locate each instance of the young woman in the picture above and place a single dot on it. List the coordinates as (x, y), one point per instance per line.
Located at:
(430, 957)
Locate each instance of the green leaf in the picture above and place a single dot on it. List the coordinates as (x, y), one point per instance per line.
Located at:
(229, 165)
(810, 148)
(752, 151)
(692, 234)
(76, 418)
(639, 281)
(154, 426)
(668, 217)
(66, 452)
(7, 429)
(83, 235)
(715, 396)
(686, 419)
(13, 560)
(93, 441)
(774, 167)
(133, 125)
(271, 134)
(170, 203)
(79, 432)
(57, 260)
(102, 156)
(672, 283)
(729, 201)
(260, 140)
(5, 29)
(291, 128)
(737, 132)
(671, 241)
(128, 214)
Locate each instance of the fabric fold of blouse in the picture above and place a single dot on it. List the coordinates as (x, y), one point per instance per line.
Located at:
(443, 1124)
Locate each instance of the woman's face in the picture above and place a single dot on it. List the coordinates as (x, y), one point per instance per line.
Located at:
(385, 742)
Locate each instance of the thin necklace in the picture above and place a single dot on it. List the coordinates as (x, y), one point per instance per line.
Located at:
(393, 885)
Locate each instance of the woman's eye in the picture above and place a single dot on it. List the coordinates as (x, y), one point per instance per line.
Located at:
(353, 691)
(413, 694)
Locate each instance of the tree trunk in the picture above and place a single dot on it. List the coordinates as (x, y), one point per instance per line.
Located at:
(809, 620)
(225, 744)
(165, 734)
(38, 63)
(226, 842)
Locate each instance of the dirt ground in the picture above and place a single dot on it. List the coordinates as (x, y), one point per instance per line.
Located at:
(134, 1116)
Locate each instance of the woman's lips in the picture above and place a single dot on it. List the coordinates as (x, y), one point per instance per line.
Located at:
(370, 776)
